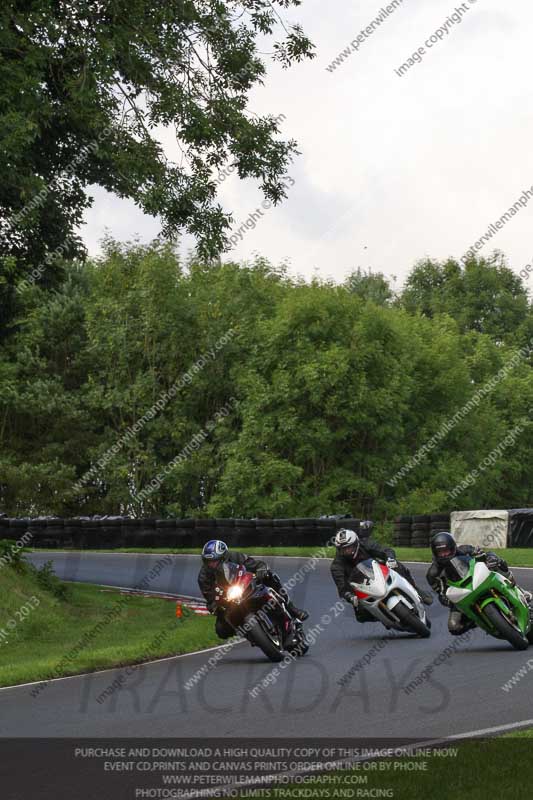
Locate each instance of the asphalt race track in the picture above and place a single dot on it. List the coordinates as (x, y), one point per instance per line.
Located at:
(463, 694)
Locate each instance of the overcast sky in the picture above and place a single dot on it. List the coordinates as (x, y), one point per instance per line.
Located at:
(392, 169)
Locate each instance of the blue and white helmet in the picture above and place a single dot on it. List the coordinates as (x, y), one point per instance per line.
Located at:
(214, 553)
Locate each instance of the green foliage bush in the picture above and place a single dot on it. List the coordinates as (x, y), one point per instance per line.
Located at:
(330, 390)
(12, 556)
(48, 580)
(44, 576)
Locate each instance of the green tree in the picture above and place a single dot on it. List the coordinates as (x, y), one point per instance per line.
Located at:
(330, 401)
(484, 296)
(44, 424)
(330, 397)
(86, 89)
(371, 286)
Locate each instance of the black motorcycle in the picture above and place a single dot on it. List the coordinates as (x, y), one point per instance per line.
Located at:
(259, 613)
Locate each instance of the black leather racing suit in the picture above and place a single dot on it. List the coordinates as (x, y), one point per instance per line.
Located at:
(342, 567)
(208, 581)
(438, 580)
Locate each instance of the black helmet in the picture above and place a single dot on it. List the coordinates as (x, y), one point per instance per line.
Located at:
(443, 546)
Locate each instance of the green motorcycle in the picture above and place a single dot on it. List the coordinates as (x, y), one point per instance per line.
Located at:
(490, 600)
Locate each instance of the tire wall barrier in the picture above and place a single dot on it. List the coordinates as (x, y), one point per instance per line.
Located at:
(114, 532)
(486, 528)
(476, 527)
(520, 532)
(417, 530)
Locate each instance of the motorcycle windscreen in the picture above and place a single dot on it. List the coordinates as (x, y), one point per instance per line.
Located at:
(363, 571)
(228, 572)
(458, 568)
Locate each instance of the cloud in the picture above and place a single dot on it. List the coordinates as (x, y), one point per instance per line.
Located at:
(391, 169)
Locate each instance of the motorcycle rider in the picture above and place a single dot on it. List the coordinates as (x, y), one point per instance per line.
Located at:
(350, 552)
(444, 549)
(214, 554)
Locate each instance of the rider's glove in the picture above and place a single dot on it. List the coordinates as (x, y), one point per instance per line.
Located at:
(351, 598)
(392, 563)
(492, 561)
(443, 600)
(262, 573)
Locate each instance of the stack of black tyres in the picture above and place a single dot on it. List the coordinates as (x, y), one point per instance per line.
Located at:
(91, 530)
(283, 532)
(245, 533)
(111, 532)
(118, 531)
(188, 536)
(306, 533)
(17, 529)
(37, 529)
(401, 536)
(438, 523)
(264, 531)
(4, 528)
(206, 529)
(325, 530)
(351, 524)
(72, 529)
(147, 533)
(224, 528)
(166, 532)
(54, 532)
(420, 530)
(131, 532)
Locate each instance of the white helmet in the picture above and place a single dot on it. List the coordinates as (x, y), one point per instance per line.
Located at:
(347, 542)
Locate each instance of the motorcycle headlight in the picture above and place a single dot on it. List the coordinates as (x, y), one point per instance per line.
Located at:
(234, 593)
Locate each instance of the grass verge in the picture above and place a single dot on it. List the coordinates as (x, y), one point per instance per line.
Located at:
(515, 557)
(40, 630)
(499, 767)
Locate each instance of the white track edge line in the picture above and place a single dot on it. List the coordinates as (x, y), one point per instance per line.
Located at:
(270, 780)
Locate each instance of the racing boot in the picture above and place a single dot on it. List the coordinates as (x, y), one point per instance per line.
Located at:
(297, 613)
(426, 597)
(528, 597)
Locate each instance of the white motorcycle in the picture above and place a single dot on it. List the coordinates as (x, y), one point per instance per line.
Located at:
(388, 598)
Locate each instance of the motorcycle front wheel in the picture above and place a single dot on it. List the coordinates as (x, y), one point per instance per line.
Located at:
(300, 648)
(271, 647)
(504, 628)
(411, 621)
